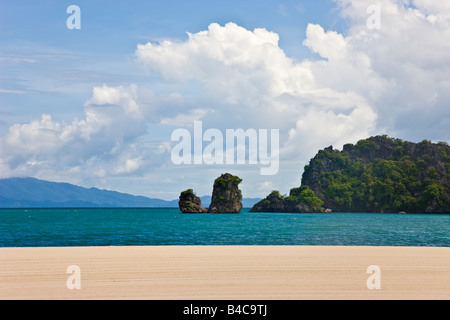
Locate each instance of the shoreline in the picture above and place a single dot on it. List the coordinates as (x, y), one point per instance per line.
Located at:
(225, 273)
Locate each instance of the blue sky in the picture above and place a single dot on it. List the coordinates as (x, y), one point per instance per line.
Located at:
(323, 79)
(71, 62)
(105, 22)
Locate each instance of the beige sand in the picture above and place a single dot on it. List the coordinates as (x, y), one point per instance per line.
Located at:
(228, 273)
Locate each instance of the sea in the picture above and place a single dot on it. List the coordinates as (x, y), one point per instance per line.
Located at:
(169, 227)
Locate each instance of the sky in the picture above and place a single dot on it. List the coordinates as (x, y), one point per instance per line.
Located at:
(97, 106)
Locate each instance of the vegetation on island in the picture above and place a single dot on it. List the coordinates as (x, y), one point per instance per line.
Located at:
(382, 174)
(379, 174)
(187, 193)
(300, 200)
(305, 196)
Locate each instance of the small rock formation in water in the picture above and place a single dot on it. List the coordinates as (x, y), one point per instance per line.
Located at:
(190, 203)
(275, 202)
(226, 197)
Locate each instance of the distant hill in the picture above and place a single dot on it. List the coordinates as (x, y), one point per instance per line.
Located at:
(34, 193)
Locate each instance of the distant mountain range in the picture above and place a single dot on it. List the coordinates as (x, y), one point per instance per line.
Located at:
(34, 193)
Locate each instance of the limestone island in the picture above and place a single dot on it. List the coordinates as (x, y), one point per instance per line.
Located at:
(190, 203)
(376, 175)
(226, 197)
(300, 200)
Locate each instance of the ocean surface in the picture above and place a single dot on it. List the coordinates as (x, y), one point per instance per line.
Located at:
(158, 227)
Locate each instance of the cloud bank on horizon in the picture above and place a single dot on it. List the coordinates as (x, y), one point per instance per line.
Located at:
(391, 80)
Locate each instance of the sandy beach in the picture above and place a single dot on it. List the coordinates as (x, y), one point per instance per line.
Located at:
(224, 273)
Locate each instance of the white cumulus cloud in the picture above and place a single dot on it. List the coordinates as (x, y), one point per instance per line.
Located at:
(113, 121)
(250, 82)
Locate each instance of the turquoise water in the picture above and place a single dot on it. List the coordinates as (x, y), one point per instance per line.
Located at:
(156, 227)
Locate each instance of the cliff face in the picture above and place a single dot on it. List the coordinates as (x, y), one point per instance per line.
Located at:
(382, 174)
(190, 203)
(226, 197)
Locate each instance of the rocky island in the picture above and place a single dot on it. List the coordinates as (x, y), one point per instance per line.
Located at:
(378, 174)
(190, 203)
(226, 197)
(300, 200)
